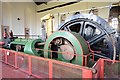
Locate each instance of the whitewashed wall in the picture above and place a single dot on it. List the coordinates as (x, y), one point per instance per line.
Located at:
(26, 11)
(0, 18)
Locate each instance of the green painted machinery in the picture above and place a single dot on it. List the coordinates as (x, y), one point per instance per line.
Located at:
(72, 44)
(27, 46)
(61, 45)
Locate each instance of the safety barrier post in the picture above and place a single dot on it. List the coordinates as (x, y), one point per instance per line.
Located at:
(1, 55)
(6, 60)
(50, 70)
(93, 58)
(85, 60)
(16, 65)
(30, 65)
(102, 68)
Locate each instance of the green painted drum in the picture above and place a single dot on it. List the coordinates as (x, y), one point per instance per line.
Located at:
(31, 45)
(19, 42)
(78, 47)
(27, 46)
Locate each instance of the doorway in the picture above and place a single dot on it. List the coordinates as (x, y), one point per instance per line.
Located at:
(3, 29)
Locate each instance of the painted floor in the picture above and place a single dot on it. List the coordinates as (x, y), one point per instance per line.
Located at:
(10, 72)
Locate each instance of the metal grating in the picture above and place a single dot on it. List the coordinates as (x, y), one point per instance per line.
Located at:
(3, 55)
(40, 67)
(111, 69)
(44, 68)
(11, 57)
(62, 71)
(22, 62)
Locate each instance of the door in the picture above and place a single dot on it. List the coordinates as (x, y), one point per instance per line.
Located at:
(3, 29)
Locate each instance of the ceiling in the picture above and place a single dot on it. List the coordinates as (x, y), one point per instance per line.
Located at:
(39, 2)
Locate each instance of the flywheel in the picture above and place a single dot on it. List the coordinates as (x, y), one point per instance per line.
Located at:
(96, 32)
(72, 45)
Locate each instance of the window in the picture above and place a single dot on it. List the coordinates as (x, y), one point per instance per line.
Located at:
(115, 23)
